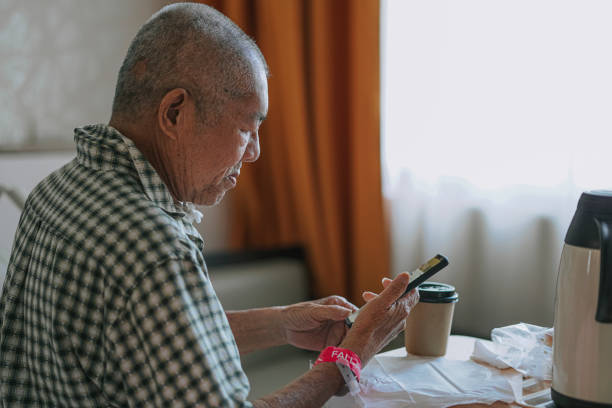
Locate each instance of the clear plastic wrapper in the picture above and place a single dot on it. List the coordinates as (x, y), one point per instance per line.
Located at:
(525, 347)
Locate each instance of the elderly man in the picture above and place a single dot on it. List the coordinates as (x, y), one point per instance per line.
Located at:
(107, 300)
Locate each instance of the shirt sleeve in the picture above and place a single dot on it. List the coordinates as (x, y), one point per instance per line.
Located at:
(174, 346)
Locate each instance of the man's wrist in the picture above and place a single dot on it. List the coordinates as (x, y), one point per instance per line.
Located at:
(356, 346)
(274, 315)
(279, 323)
(256, 329)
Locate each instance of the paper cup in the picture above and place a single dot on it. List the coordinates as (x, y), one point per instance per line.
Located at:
(429, 323)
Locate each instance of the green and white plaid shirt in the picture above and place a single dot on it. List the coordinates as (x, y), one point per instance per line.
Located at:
(107, 300)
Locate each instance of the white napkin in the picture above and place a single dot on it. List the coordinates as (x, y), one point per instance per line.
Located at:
(389, 382)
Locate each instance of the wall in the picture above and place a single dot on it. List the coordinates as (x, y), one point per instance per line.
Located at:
(59, 64)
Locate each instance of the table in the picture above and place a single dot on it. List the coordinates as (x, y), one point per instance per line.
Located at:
(535, 393)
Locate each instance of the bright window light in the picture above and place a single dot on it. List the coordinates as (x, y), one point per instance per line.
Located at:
(498, 93)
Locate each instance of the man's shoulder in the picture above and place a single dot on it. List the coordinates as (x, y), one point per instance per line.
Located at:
(106, 212)
(75, 195)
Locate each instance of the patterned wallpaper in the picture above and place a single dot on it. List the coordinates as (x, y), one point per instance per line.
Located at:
(58, 65)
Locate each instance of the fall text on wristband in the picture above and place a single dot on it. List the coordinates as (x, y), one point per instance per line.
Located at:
(343, 356)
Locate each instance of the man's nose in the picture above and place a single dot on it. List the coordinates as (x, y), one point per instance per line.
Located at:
(251, 153)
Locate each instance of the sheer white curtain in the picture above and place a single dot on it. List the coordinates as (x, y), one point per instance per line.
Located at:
(496, 116)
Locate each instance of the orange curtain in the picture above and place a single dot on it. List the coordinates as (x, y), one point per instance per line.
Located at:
(318, 180)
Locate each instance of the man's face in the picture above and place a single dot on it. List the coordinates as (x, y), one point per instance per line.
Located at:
(213, 155)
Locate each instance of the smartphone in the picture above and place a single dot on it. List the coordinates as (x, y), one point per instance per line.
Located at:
(418, 276)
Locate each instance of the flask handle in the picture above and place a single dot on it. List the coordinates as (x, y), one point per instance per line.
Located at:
(603, 313)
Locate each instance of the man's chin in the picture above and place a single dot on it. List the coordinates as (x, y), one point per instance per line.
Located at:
(210, 199)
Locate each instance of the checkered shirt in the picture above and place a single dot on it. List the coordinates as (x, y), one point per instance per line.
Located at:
(107, 300)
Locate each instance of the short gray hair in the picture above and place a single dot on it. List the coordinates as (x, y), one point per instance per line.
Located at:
(191, 46)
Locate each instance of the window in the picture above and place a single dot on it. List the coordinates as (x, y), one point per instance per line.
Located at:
(496, 116)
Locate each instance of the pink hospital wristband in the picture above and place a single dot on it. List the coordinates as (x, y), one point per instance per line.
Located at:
(342, 356)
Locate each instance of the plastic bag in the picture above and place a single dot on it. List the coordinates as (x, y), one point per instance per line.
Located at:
(525, 347)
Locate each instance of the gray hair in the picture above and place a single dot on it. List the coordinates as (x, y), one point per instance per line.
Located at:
(191, 46)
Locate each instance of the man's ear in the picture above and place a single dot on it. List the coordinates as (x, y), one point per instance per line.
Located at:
(172, 111)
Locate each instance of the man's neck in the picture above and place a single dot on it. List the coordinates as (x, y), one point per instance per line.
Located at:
(149, 141)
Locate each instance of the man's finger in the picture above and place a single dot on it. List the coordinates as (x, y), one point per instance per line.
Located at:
(395, 289)
(413, 297)
(367, 296)
(340, 301)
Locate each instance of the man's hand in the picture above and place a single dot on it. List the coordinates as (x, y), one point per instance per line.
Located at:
(382, 318)
(317, 324)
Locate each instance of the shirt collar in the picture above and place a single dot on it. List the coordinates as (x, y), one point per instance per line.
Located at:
(103, 147)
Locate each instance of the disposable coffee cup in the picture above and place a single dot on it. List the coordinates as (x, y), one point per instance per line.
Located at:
(429, 323)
